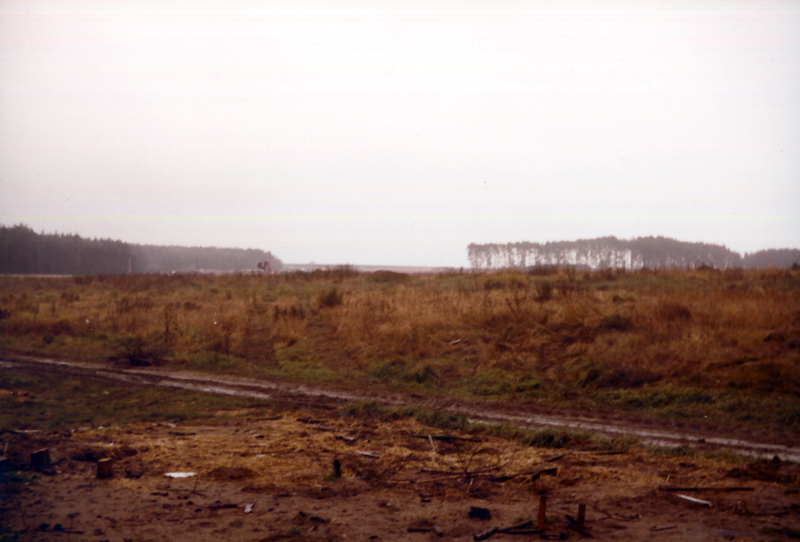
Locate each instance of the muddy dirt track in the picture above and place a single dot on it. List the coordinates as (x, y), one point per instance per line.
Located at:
(265, 479)
(700, 436)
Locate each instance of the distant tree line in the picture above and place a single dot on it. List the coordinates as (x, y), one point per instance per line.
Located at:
(23, 251)
(166, 259)
(613, 253)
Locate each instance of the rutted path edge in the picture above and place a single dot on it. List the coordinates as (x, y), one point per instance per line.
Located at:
(519, 415)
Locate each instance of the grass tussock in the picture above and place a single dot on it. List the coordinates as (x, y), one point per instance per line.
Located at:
(705, 343)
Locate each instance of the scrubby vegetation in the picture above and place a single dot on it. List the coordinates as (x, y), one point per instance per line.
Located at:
(722, 345)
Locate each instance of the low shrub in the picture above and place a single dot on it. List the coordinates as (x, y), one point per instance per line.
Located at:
(332, 297)
(388, 277)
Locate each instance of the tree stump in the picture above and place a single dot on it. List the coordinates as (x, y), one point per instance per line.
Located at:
(542, 512)
(105, 468)
(40, 460)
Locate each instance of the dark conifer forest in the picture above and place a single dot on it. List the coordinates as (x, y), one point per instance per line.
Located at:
(23, 251)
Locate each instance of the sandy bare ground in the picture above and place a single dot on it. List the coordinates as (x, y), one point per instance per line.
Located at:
(269, 479)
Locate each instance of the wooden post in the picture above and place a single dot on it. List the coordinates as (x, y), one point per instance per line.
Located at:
(105, 468)
(40, 459)
(542, 511)
(581, 516)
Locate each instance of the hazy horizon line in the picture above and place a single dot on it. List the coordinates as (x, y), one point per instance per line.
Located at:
(368, 264)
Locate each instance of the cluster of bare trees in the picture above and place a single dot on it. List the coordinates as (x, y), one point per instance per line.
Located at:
(613, 253)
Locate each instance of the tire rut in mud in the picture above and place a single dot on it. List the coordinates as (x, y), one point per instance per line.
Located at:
(307, 395)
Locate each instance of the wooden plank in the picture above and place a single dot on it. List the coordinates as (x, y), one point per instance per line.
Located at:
(664, 528)
(517, 526)
(368, 454)
(693, 500)
(533, 474)
(706, 488)
(485, 535)
(447, 438)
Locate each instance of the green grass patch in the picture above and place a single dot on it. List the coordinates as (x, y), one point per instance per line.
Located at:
(491, 383)
(41, 402)
(727, 406)
(450, 421)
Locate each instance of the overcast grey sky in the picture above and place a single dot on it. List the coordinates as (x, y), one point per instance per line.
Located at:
(397, 132)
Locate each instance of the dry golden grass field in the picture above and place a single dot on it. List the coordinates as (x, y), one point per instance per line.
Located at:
(705, 344)
(709, 349)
